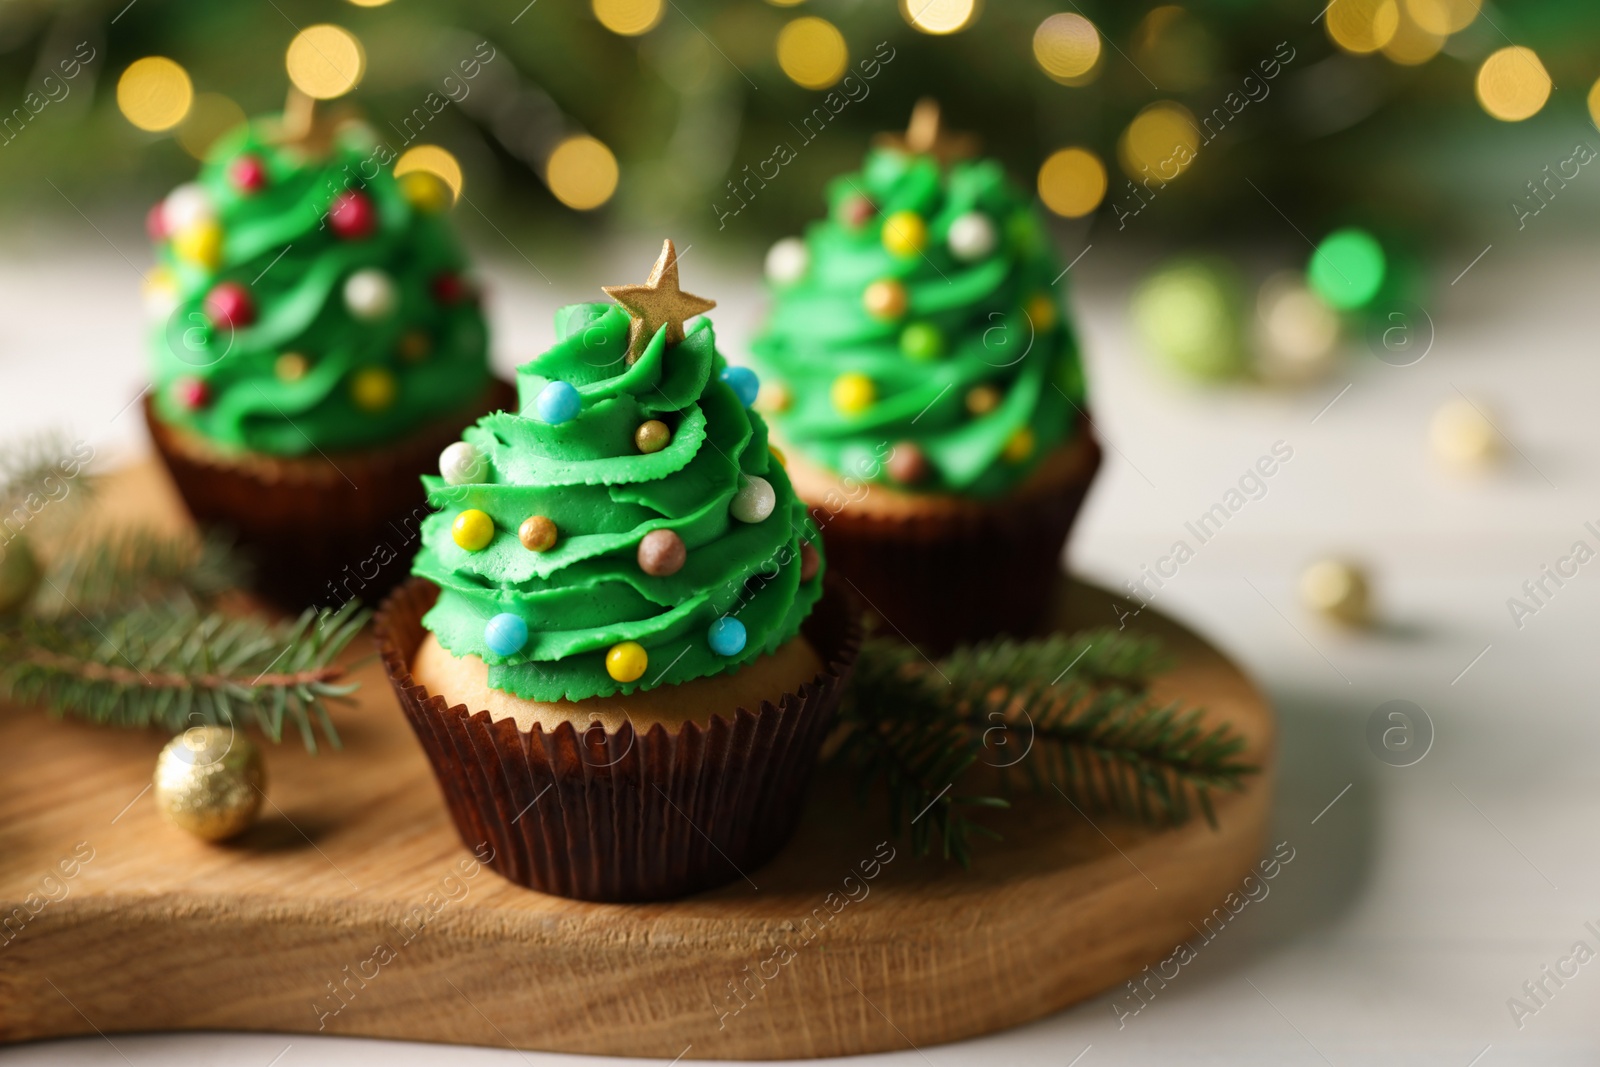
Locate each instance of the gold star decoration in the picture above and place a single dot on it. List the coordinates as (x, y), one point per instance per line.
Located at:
(925, 136)
(309, 127)
(657, 303)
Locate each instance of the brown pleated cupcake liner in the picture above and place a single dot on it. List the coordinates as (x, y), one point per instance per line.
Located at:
(941, 580)
(624, 816)
(319, 530)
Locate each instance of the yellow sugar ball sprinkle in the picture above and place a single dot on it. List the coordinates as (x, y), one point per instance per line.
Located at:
(425, 192)
(853, 393)
(160, 285)
(626, 662)
(1019, 447)
(373, 389)
(905, 234)
(200, 244)
(1041, 311)
(472, 530)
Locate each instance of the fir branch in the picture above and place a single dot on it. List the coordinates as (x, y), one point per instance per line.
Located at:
(27, 463)
(127, 568)
(171, 665)
(40, 474)
(1076, 708)
(902, 736)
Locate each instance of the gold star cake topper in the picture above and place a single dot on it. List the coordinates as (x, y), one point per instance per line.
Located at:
(657, 303)
(925, 136)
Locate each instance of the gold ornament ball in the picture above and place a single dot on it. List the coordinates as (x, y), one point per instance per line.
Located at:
(1462, 434)
(1338, 590)
(209, 781)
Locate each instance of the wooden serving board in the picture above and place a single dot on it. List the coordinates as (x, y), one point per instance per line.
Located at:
(352, 908)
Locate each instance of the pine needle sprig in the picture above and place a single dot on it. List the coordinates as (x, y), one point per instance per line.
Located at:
(1068, 713)
(901, 735)
(35, 485)
(28, 465)
(1031, 670)
(137, 566)
(171, 664)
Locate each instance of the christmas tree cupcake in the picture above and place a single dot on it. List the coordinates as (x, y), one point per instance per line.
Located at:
(316, 343)
(618, 653)
(922, 373)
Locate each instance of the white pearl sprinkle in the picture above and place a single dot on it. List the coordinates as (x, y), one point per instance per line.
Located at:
(160, 301)
(185, 206)
(370, 294)
(787, 261)
(971, 236)
(755, 499)
(462, 464)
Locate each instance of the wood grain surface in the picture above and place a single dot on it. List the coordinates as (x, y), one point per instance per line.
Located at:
(352, 907)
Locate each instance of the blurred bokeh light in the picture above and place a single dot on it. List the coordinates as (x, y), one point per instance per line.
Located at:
(155, 93)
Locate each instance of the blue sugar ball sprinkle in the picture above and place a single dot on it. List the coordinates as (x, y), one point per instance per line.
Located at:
(558, 402)
(726, 636)
(505, 634)
(744, 383)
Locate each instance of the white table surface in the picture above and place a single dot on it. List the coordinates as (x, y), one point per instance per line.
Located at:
(1419, 902)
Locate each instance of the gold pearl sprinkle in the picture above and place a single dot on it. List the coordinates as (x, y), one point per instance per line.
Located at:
(983, 399)
(291, 367)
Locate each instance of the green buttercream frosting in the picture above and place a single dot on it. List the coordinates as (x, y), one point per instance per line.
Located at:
(586, 475)
(307, 373)
(979, 313)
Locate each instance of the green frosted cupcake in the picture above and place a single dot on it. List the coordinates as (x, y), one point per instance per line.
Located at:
(922, 369)
(622, 604)
(314, 330)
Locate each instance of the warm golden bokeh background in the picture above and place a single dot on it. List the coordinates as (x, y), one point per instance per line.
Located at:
(611, 111)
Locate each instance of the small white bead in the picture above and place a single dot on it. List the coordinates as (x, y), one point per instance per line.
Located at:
(462, 464)
(1461, 433)
(160, 301)
(1298, 332)
(787, 261)
(971, 236)
(370, 294)
(755, 499)
(186, 205)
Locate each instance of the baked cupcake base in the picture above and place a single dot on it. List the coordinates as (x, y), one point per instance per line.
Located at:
(320, 530)
(698, 798)
(942, 570)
